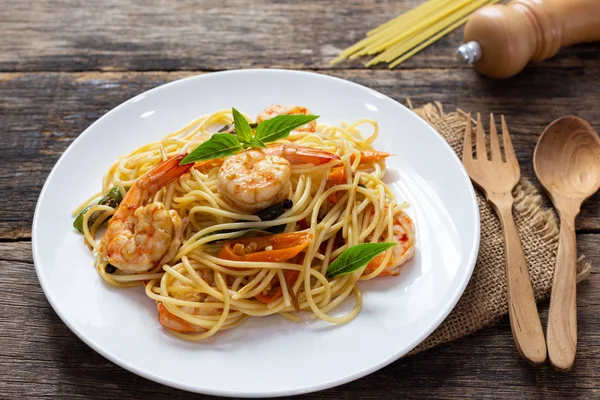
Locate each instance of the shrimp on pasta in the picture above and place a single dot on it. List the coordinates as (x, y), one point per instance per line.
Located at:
(276, 110)
(256, 179)
(139, 237)
(229, 219)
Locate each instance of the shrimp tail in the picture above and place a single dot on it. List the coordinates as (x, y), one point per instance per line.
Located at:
(301, 154)
(152, 182)
(369, 156)
(337, 176)
(404, 236)
(164, 173)
(173, 322)
(206, 165)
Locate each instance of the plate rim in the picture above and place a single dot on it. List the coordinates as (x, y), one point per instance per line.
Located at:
(442, 315)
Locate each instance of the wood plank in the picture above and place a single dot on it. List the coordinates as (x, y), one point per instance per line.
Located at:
(41, 114)
(46, 360)
(71, 35)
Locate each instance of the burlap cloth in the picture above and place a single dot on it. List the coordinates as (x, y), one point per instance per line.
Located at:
(485, 298)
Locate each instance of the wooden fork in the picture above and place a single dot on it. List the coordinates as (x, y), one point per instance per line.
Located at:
(497, 178)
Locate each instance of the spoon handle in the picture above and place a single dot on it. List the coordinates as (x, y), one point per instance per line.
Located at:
(524, 318)
(562, 317)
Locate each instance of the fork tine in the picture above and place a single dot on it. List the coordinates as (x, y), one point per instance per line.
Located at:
(480, 144)
(494, 144)
(509, 151)
(467, 155)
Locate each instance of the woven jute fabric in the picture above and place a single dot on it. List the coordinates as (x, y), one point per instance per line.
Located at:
(485, 298)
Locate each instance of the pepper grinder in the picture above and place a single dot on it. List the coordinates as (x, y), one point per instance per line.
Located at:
(501, 39)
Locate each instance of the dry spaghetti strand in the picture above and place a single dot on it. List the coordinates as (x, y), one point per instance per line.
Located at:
(404, 36)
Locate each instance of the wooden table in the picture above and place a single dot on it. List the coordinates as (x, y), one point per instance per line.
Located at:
(64, 63)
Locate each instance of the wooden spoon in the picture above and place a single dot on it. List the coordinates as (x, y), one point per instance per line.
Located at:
(567, 163)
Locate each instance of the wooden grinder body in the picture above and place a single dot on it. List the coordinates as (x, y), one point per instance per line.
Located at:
(529, 30)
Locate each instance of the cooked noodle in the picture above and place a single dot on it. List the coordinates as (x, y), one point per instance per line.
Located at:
(213, 294)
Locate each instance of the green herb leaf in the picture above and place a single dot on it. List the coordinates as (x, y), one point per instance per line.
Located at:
(78, 223)
(258, 143)
(219, 145)
(356, 257)
(242, 128)
(226, 144)
(280, 126)
(112, 199)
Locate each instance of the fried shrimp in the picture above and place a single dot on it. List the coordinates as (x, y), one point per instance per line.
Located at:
(138, 237)
(256, 179)
(276, 110)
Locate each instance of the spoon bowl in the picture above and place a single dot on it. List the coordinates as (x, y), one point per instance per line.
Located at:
(567, 163)
(567, 159)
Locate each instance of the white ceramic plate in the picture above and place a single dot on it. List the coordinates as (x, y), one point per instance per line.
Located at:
(265, 356)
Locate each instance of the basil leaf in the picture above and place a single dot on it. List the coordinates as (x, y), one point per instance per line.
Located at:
(356, 257)
(78, 223)
(258, 143)
(219, 145)
(242, 128)
(112, 199)
(280, 126)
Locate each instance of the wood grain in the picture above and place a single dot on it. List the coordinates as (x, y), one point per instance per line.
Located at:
(117, 35)
(567, 164)
(527, 30)
(46, 360)
(497, 179)
(41, 114)
(67, 62)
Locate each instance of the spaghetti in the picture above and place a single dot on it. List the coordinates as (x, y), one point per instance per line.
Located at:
(406, 35)
(216, 265)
